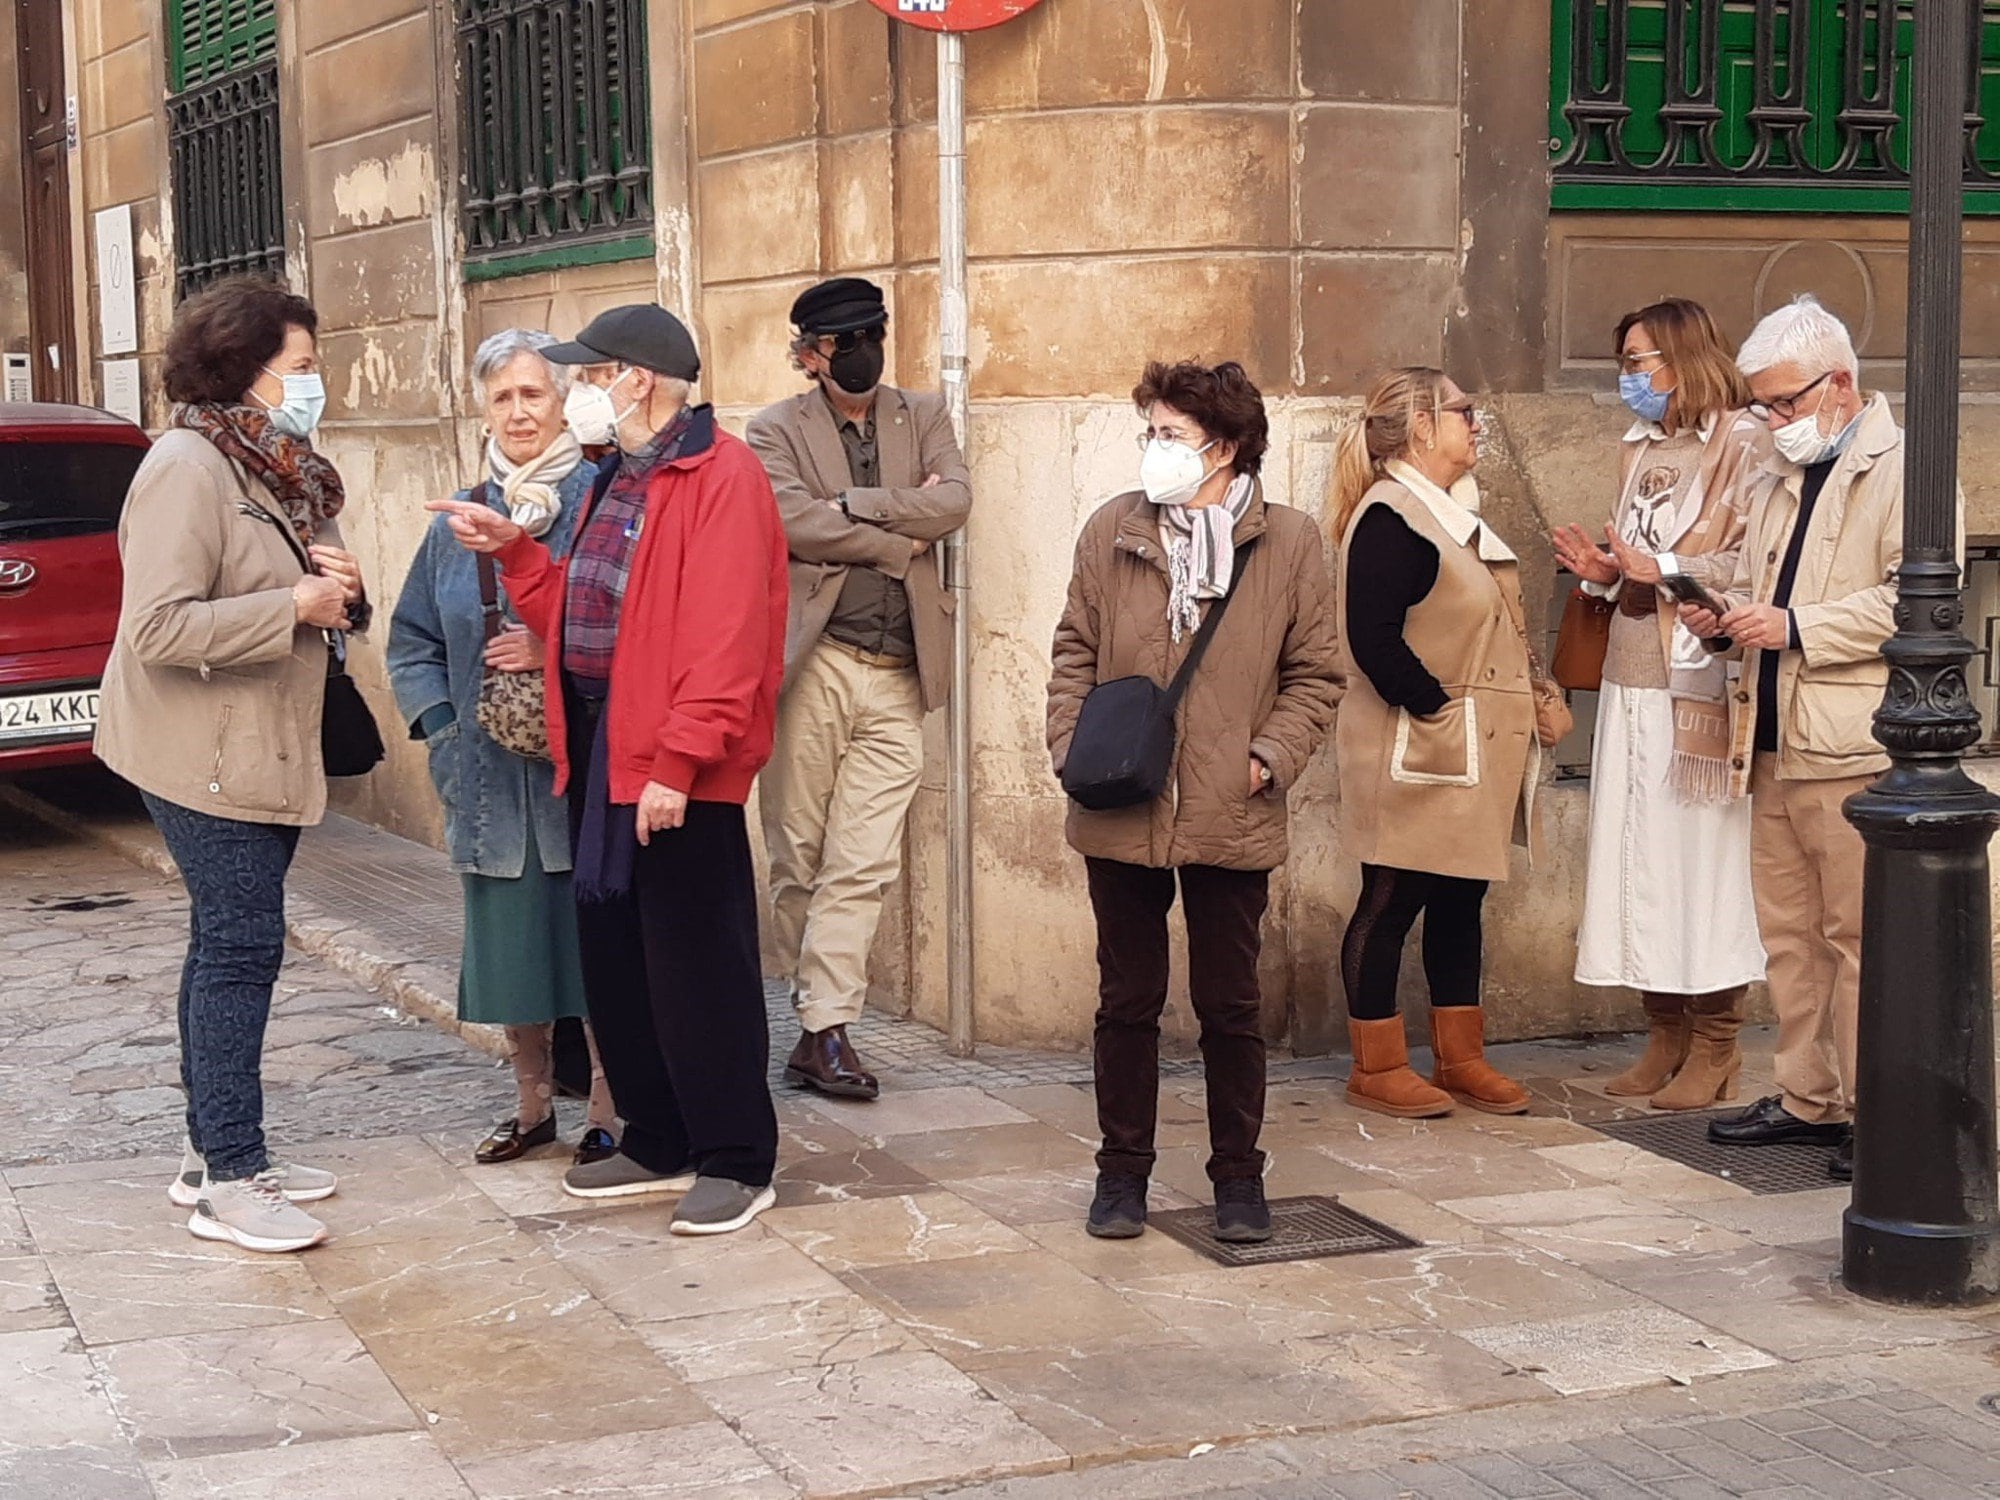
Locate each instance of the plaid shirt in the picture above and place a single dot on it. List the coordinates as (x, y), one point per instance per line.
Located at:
(600, 564)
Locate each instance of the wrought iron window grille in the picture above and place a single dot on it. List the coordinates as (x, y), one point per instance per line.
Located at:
(555, 127)
(227, 184)
(1752, 104)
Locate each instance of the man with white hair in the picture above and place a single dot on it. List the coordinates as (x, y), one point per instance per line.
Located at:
(1810, 607)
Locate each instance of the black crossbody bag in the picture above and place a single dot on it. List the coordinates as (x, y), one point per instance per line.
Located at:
(1123, 749)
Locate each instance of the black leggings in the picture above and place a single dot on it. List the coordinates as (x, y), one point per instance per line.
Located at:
(1372, 952)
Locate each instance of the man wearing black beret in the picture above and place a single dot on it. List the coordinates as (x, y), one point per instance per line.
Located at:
(869, 478)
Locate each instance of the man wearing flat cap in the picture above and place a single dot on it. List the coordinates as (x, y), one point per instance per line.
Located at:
(665, 632)
(869, 478)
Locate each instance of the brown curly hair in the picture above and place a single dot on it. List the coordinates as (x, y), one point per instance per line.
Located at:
(225, 334)
(1221, 398)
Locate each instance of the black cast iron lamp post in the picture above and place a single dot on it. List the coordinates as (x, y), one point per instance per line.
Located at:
(1924, 1224)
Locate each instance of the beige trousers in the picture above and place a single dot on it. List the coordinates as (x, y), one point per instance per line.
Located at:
(1805, 865)
(850, 750)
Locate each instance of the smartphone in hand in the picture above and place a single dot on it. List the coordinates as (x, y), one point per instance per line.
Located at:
(1686, 591)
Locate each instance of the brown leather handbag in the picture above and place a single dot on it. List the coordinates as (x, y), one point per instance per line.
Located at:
(1581, 641)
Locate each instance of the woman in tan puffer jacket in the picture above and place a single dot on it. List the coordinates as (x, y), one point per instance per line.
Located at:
(1150, 565)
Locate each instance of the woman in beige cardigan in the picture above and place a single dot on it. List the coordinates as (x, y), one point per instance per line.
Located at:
(1668, 908)
(235, 572)
(1436, 737)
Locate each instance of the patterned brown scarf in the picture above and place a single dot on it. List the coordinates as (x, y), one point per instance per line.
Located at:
(306, 483)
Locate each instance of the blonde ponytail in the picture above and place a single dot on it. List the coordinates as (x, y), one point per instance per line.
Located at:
(1383, 431)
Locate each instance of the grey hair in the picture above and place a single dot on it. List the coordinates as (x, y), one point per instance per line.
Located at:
(499, 350)
(1801, 333)
(800, 343)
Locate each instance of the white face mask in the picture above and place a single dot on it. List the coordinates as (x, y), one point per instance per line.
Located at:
(1804, 444)
(305, 399)
(1170, 473)
(593, 416)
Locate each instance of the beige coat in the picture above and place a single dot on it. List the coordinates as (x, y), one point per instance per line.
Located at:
(1266, 688)
(213, 694)
(1446, 793)
(1843, 600)
(801, 450)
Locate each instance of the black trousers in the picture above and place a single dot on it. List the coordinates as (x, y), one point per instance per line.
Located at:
(1224, 910)
(1371, 955)
(675, 991)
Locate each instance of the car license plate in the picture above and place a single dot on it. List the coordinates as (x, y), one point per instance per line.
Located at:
(37, 716)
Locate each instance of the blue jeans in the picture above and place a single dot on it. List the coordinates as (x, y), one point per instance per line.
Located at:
(235, 875)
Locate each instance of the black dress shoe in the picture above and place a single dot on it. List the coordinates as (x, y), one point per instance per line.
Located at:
(598, 1144)
(826, 1060)
(509, 1142)
(1840, 1166)
(1769, 1123)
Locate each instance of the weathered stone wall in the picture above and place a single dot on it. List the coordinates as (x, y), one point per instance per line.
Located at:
(13, 199)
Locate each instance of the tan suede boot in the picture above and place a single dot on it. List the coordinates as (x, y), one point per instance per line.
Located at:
(1666, 1047)
(1714, 1062)
(1458, 1039)
(1383, 1079)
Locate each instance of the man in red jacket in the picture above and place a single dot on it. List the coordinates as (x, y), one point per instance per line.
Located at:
(665, 632)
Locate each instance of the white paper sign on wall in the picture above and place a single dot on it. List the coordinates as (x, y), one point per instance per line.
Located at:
(121, 390)
(117, 295)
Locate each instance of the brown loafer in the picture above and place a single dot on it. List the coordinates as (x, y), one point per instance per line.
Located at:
(826, 1060)
(597, 1144)
(509, 1141)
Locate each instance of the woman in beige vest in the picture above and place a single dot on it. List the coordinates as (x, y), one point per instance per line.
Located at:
(1436, 737)
(1668, 909)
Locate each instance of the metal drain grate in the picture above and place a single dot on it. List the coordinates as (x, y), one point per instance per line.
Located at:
(1788, 1168)
(1301, 1229)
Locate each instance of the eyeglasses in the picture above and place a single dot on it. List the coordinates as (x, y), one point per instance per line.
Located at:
(1634, 363)
(1462, 408)
(1786, 406)
(1167, 435)
(852, 339)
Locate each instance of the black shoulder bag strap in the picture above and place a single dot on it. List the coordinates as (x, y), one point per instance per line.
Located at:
(489, 576)
(1177, 689)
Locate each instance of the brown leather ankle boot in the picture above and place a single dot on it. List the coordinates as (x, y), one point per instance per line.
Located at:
(1458, 1038)
(1383, 1079)
(1666, 1047)
(1714, 1062)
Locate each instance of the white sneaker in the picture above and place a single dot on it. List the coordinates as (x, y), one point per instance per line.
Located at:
(299, 1184)
(253, 1213)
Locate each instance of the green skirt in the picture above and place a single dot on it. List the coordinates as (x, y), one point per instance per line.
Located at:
(520, 965)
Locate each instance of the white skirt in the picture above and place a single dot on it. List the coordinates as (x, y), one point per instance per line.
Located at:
(1668, 907)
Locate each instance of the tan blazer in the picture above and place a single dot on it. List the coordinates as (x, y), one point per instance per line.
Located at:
(801, 450)
(1266, 688)
(213, 694)
(1446, 793)
(1843, 599)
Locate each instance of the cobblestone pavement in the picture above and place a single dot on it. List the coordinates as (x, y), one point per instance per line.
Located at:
(921, 1314)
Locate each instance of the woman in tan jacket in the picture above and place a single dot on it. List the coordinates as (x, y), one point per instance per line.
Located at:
(234, 574)
(1436, 739)
(1668, 908)
(1151, 566)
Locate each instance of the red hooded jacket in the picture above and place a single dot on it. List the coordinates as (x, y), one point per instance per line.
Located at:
(701, 635)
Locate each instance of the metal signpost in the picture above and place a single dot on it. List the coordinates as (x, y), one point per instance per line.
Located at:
(1924, 1225)
(950, 19)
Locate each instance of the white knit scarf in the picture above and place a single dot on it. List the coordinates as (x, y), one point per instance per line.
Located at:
(1201, 552)
(529, 489)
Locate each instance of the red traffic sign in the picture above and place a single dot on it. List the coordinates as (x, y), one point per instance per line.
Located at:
(954, 15)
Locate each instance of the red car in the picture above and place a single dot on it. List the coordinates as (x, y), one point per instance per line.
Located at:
(64, 471)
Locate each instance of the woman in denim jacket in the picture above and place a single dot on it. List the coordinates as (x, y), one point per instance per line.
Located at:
(506, 831)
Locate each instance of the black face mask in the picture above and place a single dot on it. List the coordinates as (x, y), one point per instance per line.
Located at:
(857, 371)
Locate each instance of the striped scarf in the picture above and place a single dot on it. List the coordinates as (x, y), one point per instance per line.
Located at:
(1201, 552)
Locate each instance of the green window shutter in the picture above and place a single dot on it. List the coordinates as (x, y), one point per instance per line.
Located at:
(1779, 105)
(208, 38)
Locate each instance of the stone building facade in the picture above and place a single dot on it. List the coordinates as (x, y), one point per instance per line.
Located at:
(1317, 189)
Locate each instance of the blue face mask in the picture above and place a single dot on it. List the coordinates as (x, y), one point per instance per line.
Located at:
(1637, 392)
(305, 398)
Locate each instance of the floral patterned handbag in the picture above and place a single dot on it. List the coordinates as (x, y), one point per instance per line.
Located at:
(511, 708)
